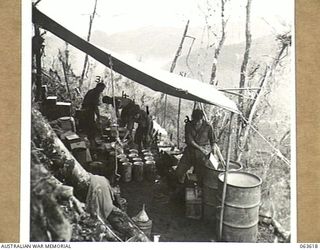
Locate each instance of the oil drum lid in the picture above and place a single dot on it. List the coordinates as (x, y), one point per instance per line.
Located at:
(241, 179)
(138, 163)
(148, 158)
(137, 159)
(135, 151)
(133, 155)
(150, 162)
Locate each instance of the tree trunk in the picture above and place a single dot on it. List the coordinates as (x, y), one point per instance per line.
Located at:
(37, 50)
(88, 39)
(65, 67)
(243, 70)
(242, 141)
(220, 44)
(173, 65)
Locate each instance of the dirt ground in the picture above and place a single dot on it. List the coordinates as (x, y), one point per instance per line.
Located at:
(167, 211)
(168, 215)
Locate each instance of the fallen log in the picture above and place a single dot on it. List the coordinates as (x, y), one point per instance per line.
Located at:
(72, 173)
(45, 184)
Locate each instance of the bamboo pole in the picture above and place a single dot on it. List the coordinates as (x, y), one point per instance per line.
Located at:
(225, 179)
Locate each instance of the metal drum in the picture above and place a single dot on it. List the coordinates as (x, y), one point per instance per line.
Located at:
(120, 157)
(150, 170)
(126, 171)
(138, 171)
(122, 160)
(147, 154)
(132, 155)
(241, 209)
(210, 190)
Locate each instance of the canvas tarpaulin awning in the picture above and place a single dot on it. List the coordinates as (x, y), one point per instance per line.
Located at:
(155, 79)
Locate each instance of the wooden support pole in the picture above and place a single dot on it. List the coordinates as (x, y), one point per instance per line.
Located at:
(225, 179)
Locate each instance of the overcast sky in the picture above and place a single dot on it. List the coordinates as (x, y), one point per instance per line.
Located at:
(122, 15)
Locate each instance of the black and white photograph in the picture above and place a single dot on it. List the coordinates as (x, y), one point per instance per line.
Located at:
(159, 121)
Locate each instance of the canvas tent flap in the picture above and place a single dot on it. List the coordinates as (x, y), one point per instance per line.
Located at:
(157, 80)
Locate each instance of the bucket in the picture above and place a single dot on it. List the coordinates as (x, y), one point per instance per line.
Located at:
(241, 208)
(138, 171)
(150, 170)
(126, 171)
(210, 190)
(67, 123)
(145, 227)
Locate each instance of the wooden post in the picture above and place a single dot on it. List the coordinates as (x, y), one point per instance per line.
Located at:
(225, 179)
